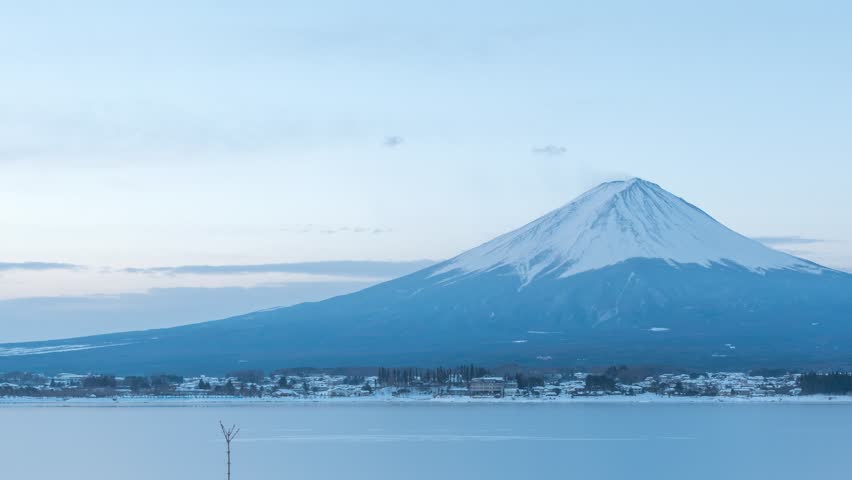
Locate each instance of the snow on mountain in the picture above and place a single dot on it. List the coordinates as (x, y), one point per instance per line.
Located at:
(617, 221)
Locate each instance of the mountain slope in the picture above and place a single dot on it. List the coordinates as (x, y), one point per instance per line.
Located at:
(627, 273)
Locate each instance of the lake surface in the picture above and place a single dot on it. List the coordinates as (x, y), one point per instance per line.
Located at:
(428, 441)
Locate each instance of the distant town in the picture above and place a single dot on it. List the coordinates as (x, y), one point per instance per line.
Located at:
(461, 382)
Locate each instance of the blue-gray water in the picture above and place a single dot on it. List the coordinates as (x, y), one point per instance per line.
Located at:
(423, 441)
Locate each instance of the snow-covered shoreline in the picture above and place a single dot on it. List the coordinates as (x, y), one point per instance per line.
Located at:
(608, 399)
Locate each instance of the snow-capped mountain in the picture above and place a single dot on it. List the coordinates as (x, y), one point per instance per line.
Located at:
(627, 273)
(617, 221)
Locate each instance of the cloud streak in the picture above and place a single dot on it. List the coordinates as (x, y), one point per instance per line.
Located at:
(787, 240)
(550, 150)
(331, 230)
(353, 268)
(37, 266)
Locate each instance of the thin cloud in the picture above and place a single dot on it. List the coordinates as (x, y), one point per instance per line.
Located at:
(788, 240)
(550, 150)
(332, 229)
(393, 141)
(37, 266)
(353, 268)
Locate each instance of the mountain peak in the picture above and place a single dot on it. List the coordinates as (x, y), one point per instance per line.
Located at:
(630, 181)
(617, 221)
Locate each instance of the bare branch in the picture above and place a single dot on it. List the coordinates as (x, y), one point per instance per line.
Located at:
(229, 434)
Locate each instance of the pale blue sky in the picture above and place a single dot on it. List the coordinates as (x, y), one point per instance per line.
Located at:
(158, 135)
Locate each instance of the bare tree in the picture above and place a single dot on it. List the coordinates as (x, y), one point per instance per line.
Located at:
(229, 434)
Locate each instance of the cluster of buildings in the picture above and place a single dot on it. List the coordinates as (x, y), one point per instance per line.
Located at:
(321, 385)
(719, 384)
(734, 384)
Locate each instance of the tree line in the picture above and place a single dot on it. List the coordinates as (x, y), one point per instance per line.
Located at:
(836, 383)
(403, 377)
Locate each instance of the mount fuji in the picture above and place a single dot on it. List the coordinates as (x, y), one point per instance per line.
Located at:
(616, 222)
(626, 273)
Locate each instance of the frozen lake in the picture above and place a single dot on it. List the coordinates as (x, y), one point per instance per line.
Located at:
(427, 441)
